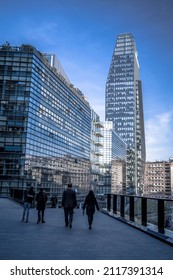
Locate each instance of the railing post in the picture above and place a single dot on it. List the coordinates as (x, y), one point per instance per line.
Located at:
(132, 208)
(144, 211)
(109, 202)
(115, 204)
(160, 214)
(122, 206)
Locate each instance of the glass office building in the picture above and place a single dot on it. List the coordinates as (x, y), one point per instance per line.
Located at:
(112, 161)
(124, 107)
(45, 125)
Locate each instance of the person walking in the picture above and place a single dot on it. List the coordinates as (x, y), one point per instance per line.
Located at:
(69, 202)
(41, 199)
(28, 199)
(90, 204)
(54, 201)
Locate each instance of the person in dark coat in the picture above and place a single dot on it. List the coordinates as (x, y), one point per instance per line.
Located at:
(54, 201)
(69, 202)
(90, 204)
(28, 199)
(41, 199)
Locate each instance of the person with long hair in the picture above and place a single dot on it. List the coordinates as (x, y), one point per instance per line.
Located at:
(41, 199)
(90, 204)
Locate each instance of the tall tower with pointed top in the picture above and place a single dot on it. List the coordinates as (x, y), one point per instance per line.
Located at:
(124, 106)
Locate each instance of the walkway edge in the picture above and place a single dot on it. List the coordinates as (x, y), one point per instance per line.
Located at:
(150, 232)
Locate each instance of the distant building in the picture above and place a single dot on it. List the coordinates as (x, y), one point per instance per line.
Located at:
(96, 144)
(124, 107)
(113, 161)
(45, 125)
(158, 178)
(171, 175)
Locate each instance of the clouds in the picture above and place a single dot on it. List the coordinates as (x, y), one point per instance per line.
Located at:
(91, 81)
(95, 95)
(39, 32)
(159, 136)
(82, 34)
(42, 32)
(89, 75)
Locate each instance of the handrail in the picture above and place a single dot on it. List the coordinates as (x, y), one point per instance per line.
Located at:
(149, 212)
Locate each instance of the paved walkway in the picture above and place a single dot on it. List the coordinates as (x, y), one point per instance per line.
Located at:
(109, 239)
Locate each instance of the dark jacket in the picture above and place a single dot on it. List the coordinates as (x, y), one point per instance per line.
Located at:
(69, 198)
(29, 196)
(41, 199)
(90, 204)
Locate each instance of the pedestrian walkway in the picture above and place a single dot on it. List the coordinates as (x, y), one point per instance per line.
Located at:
(109, 239)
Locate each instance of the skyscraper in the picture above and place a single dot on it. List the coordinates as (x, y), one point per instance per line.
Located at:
(124, 106)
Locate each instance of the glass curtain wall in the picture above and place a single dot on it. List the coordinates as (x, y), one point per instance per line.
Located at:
(45, 125)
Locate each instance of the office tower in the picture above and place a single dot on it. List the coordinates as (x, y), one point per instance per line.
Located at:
(124, 107)
(45, 125)
(112, 161)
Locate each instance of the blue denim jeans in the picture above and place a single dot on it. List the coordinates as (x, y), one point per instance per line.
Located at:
(26, 208)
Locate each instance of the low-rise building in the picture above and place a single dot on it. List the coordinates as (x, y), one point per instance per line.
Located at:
(158, 178)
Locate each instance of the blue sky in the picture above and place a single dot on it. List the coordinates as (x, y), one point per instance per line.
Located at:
(82, 33)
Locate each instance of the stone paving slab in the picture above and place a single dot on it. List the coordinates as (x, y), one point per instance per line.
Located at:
(108, 240)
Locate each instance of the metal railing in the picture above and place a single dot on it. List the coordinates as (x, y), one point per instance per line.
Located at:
(154, 214)
(146, 213)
